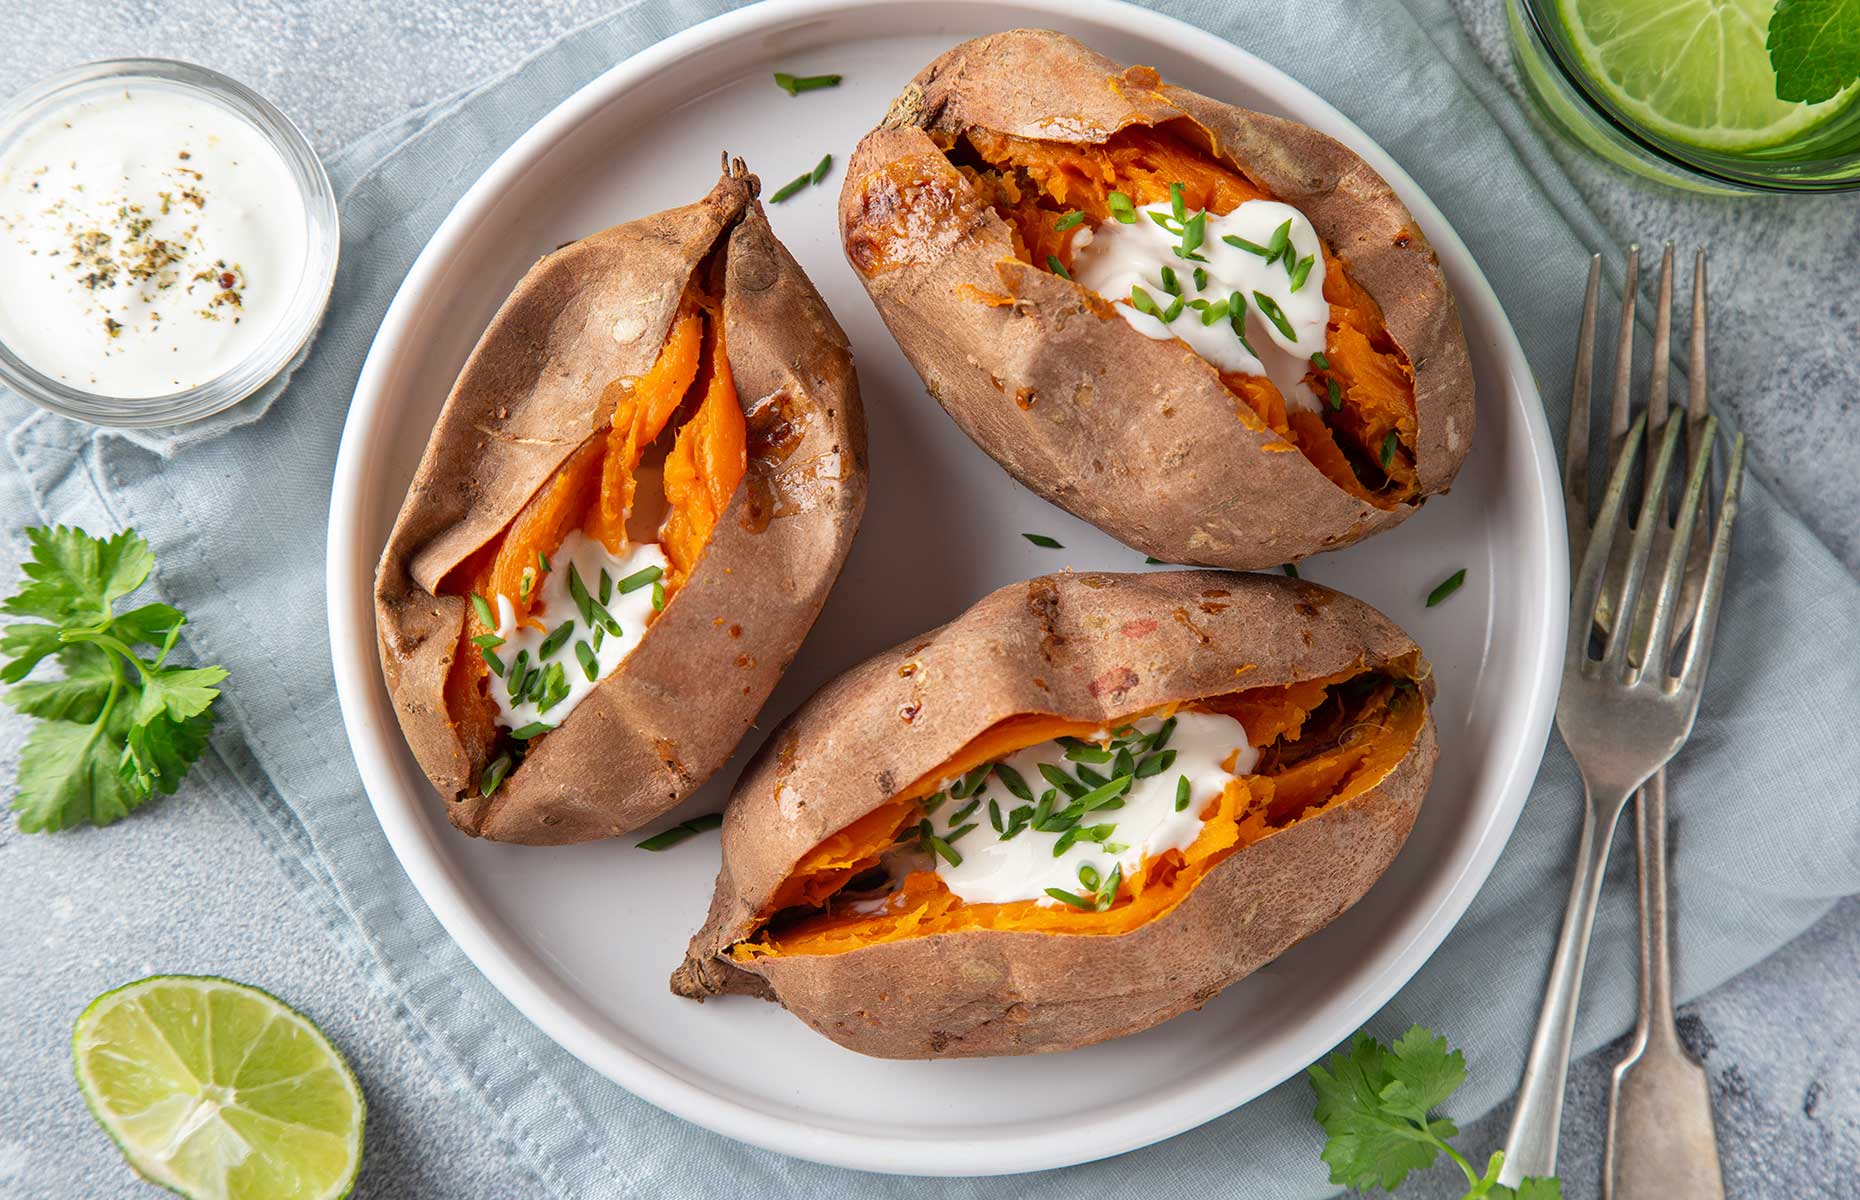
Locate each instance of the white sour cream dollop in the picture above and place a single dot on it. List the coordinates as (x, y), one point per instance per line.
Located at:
(1115, 257)
(997, 870)
(638, 565)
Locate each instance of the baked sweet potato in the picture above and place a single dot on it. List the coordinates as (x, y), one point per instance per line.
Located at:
(984, 842)
(1229, 399)
(632, 507)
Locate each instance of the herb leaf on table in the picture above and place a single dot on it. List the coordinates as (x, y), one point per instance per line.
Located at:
(1377, 1105)
(1814, 48)
(121, 725)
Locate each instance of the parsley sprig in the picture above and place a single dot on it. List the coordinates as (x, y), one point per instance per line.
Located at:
(1377, 1105)
(122, 724)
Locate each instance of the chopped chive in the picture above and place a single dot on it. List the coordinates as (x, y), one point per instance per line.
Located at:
(639, 579)
(578, 592)
(794, 85)
(518, 668)
(972, 782)
(945, 850)
(1236, 316)
(607, 586)
(529, 731)
(1013, 781)
(554, 687)
(791, 187)
(1140, 300)
(820, 169)
(557, 636)
(962, 814)
(600, 635)
(1116, 847)
(542, 563)
(1173, 311)
(1107, 895)
(1086, 752)
(1170, 283)
(658, 595)
(1281, 240)
(487, 641)
(1042, 541)
(1062, 781)
(1335, 397)
(1181, 793)
(1124, 763)
(1058, 268)
(1446, 587)
(483, 608)
(1065, 841)
(1210, 313)
(1290, 569)
(994, 815)
(1189, 255)
(1122, 208)
(1240, 243)
(1088, 875)
(1270, 307)
(492, 661)
(494, 775)
(1320, 362)
(1168, 223)
(1097, 833)
(590, 665)
(934, 802)
(1194, 231)
(1066, 897)
(1159, 739)
(1069, 221)
(1178, 204)
(1090, 776)
(1101, 797)
(1201, 278)
(679, 832)
(1156, 764)
(526, 583)
(1302, 271)
(1044, 808)
(1387, 453)
(952, 836)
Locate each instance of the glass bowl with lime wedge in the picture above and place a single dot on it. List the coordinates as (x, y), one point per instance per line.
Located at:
(1713, 95)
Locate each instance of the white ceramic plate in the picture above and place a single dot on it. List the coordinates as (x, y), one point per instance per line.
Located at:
(943, 527)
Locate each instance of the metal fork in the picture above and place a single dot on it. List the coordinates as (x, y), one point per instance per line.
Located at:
(1623, 714)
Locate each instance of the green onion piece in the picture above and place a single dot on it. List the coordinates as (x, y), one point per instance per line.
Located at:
(639, 579)
(1201, 278)
(1124, 764)
(1140, 300)
(517, 670)
(1173, 311)
(1066, 897)
(1177, 204)
(679, 832)
(1088, 875)
(590, 665)
(1210, 313)
(1270, 307)
(953, 835)
(1100, 797)
(1290, 569)
(1387, 454)
(962, 814)
(1320, 362)
(1090, 776)
(1156, 764)
(1181, 793)
(494, 775)
(485, 616)
(1446, 587)
(1170, 283)
(1107, 895)
(794, 85)
(1194, 231)
(600, 635)
(1086, 752)
(658, 595)
(791, 187)
(607, 586)
(1058, 268)
(1336, 394)
(1065, 841)
(492, 661)
(1071, 220)
(1122, 208)
(994, 816)
(1062, 781)
(529, 731)
(525, 582)
(554, 687)
(1044, 808)
(1236, 316)
(557, 637)
(1167, 223)
(1302, 271)
(1159, 739)
(945, 850)
(935, 802)
(1153, 560)
(1042, 541)
(487, 641)
(1013, 781)
(820, 169)
(1240, 243)
(1116, 847)
(972, 782)
(1281, 239)
(542, 563)
(578, 592)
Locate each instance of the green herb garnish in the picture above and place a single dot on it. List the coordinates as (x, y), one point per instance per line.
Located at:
(791, 187)
(1066, 897)
(1071, 220)
(1281, 241)
(972, 782)
(1240, 243)
(1376, 1104)
(1236, 316)
(946, 851)
(1173, 311)
(1387, 453)
(1122, 208)
(821, 168)
(525, 732)
(1446, 587)
(1194, 231)
(1320, 362)
(1270, 308)
(494, 775)
(1177, 202)
(1170, 283)
(557, 637)
(1181, 793)
(486, 617)
(118, 728)
(607, 586)
(1079, 751)
(639, 579)
(590, 665)
(492, 661)
(681, 831)
(1290, 569)
(794, 85)
(1064, 782)
(526, 582)
(1301, 272)
(1335, 393)
(658, 595)
(542, 563)
(1140, 300)
(1155, 764)
(1814, 48)
(1013, 781)
(1042, 541)
(1058, 268)
(1201, 280)
(994, 816)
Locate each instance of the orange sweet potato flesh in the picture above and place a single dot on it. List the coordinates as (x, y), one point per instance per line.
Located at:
(1358, 750)
(594, 491)
(1031, 183)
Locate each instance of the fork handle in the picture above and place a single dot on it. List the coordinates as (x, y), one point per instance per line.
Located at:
(1530, 1145)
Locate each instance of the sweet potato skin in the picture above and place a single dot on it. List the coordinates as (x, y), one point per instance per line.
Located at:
(1086, 646)
(1137, 436)
(593, 312)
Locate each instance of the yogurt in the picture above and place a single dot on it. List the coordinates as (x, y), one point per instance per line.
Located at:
(150, 240)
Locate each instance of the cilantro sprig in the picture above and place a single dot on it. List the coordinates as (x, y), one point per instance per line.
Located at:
(121, 724)
(1377, 1105)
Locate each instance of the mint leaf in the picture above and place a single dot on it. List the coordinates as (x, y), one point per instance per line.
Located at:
(79, 696)
(1814, 48)
(69, 774)
(1368, 1146)
(76, 579)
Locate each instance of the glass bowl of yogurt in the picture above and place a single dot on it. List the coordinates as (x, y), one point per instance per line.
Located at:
(168, 240)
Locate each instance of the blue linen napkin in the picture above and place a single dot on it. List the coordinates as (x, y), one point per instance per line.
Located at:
(235, 510)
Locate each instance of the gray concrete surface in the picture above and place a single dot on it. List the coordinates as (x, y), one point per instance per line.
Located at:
(1782, 1041)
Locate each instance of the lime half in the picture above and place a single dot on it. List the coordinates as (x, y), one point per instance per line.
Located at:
(1694, 71)
(220, 1091)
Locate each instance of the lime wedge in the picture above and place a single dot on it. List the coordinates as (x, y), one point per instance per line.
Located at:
(1694, 71)
(220, 1091)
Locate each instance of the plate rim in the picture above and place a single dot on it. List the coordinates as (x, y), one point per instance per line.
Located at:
(483, 938)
